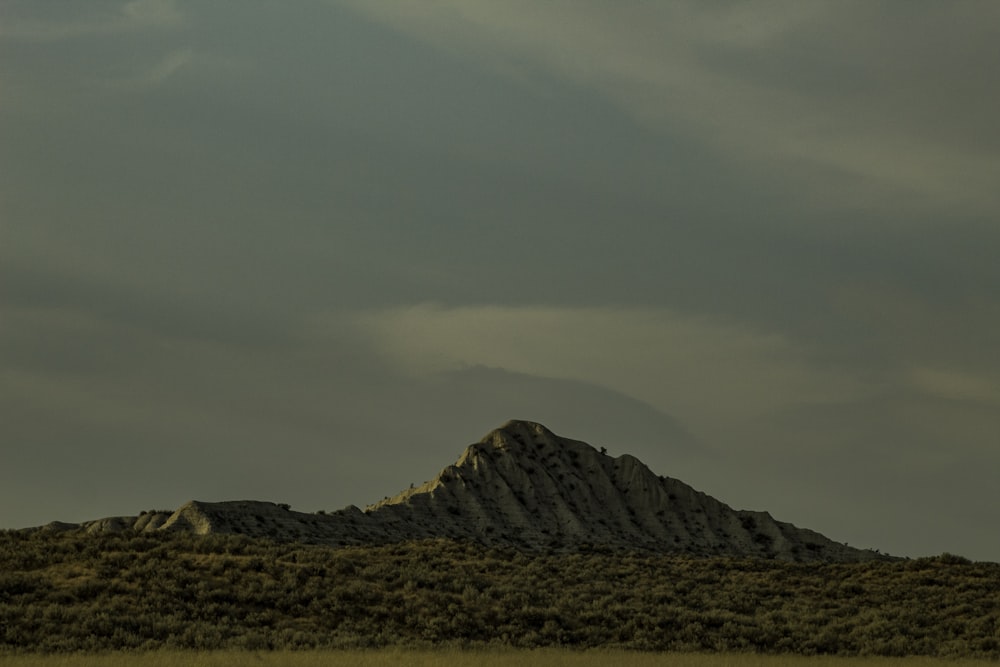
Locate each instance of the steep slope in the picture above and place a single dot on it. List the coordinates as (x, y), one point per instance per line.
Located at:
(525, 487)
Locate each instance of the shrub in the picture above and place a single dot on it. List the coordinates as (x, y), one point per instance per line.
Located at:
(141, 592)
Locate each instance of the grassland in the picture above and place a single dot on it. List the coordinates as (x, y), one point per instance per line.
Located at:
(453, 658)
(146, 593)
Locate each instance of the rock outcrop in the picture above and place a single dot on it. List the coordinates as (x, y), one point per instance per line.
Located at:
(523, 486)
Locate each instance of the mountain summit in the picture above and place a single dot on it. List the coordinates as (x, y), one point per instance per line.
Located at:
(523, 486)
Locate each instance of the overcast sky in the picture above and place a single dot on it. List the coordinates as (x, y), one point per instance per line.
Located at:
(307, 252)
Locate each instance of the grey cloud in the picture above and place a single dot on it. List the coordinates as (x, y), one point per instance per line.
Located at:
(160, 418)
(667, 66)
(183, 259)
(67, 21)
(918, 463)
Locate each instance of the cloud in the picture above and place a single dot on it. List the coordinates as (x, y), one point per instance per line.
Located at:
(850, 105)
(168, 65)
(130, 16)
(159, 72)
(152, 12)
(101, 397)
(956, 385)
(700, 369)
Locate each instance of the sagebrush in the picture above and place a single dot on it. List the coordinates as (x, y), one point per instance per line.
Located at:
(70, 592)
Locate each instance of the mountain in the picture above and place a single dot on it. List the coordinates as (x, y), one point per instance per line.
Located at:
(521, 486)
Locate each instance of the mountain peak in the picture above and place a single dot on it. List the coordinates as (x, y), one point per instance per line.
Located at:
(523, 486)
(517, 434)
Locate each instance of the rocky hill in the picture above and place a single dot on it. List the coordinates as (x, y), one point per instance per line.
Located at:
(525, 487)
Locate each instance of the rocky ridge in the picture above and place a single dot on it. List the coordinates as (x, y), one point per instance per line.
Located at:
(521, 486)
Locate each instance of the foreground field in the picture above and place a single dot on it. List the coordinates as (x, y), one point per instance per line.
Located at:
(447, 658)
(64, 594)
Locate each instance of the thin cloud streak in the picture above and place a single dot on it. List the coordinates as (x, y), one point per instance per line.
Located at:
(957, 385)
(700, 370)
(165, 68)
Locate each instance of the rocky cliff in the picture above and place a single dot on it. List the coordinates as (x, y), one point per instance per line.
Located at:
(525, 487)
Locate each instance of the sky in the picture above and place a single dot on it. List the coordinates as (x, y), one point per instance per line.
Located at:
(307, 252)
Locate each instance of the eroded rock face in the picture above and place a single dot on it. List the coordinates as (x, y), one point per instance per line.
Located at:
(524, 486)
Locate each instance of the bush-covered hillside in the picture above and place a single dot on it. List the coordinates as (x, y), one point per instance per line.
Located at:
(150, 591)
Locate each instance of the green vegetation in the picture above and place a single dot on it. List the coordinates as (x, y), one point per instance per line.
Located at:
(139, 592)
(456, 658)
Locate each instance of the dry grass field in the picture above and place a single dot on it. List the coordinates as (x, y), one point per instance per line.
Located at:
(452, 658)
(184, 598)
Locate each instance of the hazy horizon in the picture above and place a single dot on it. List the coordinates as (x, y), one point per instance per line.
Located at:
(308, 252)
